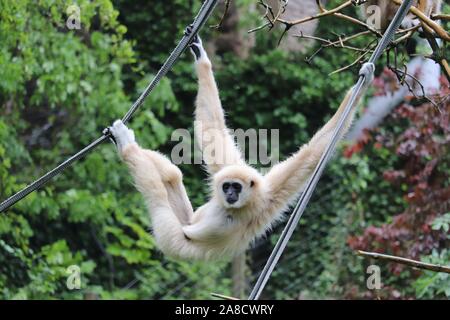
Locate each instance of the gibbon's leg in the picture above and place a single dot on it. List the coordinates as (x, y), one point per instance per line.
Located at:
(172, 179)
(428, 8)
(203, 230)
(286, 179)
(217, 145)
(149, 180)
(411, 20)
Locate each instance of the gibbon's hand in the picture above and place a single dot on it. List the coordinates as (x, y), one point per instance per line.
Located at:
(121, 134)
(367, 70)
(196, 45)
(196, 48)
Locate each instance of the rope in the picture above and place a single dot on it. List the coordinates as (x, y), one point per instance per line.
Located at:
(313, 180)
(203, 15)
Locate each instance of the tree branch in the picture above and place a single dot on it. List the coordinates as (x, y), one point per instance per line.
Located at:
(223, 297)
(408, 262)
(225, 12)
(433, 25)
(401, 77)
(367, 50)
(336, 44)
(323, 13)
(440, 16)
(438, 53)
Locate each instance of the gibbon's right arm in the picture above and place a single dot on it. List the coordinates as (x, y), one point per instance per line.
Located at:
(160, 182)
(217, 144)
(286, 179)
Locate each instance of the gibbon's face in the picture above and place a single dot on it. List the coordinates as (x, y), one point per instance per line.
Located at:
(235, 187)
(235, 192)
(231, 191)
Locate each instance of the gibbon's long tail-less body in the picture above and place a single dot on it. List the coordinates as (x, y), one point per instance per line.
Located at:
(243, 203)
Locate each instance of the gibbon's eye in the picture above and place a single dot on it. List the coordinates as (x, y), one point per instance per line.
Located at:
(225, 186)
(237, 187)
(252, 183)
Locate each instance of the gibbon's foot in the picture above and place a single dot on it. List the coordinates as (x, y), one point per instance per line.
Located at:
(409, 22)
(122, 134)
(367, 70)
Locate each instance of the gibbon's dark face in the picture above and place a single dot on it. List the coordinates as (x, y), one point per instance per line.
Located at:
(231, 191)
(236, 186)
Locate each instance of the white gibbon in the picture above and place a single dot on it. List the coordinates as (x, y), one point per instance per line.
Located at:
(388, 8)
(243, 202)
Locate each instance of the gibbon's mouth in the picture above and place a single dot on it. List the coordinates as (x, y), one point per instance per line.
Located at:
(232, 200)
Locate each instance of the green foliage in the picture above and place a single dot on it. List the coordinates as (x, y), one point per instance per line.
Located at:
(63, 87)
(442, 223)
(434, 285)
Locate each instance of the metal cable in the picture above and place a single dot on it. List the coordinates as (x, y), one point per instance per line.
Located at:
(203, 15)
(49, 175)
(200, 19)
(313, 180)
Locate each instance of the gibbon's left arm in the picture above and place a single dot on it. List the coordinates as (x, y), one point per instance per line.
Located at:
(217, 144)
(286, 179)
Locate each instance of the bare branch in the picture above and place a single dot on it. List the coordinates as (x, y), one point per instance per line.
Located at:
(286, 29)
(401, 77)
(440, 17)
(431, 31)
(433, 25)
(408, 34)
(319, 5)
(359, 59)
(438, 53)
(336, 44)
(405, 261)
(334, 12)
(259, 28)
(349, 65)
(358, 22)
(223, 297)
(269, 15)
(225, 12)
(317, 16)
(281, 9)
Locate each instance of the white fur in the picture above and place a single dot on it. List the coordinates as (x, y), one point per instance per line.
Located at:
(367, 70)
(217, 229)
(122, 134)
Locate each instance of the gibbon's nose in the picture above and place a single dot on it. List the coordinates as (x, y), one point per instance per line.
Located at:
(232, 197)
